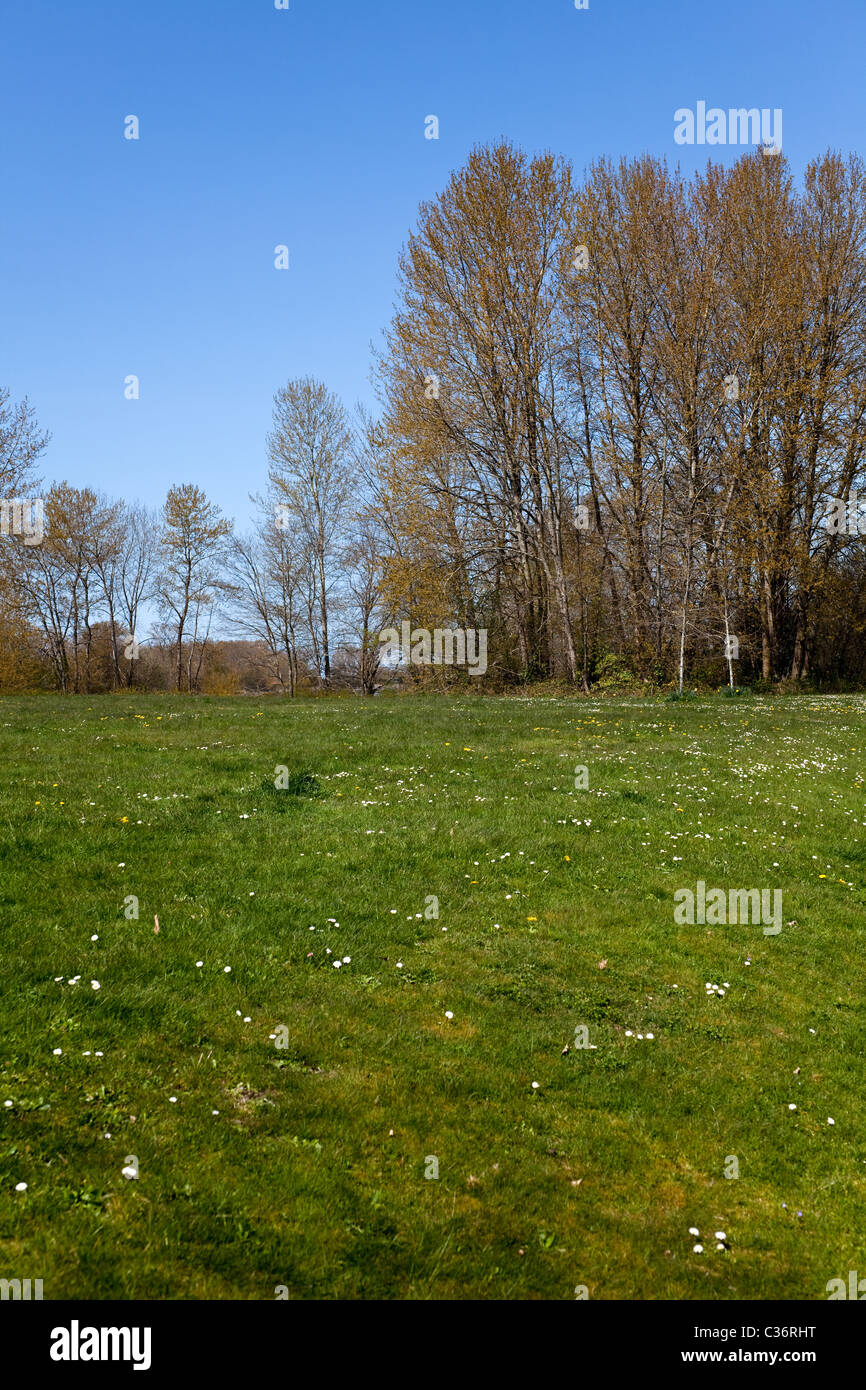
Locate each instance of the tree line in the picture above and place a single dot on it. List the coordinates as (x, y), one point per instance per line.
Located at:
(289, 604)
(620, 428)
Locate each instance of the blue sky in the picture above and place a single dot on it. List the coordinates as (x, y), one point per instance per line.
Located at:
(305, 127)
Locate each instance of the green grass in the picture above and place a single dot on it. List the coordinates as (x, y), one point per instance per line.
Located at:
(312, 1174)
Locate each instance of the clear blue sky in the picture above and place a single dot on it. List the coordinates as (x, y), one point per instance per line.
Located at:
(306, 127)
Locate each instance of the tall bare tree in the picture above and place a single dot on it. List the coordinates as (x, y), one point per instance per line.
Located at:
(190, 577)
(310, 451)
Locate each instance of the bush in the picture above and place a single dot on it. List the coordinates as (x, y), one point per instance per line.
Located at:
(611, 673)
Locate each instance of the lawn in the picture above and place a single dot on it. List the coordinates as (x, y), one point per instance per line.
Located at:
(287, 1118)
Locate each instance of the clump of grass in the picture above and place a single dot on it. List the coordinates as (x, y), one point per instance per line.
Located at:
(296, 784)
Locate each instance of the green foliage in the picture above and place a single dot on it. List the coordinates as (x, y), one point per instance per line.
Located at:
(612, 673)
(296, 784)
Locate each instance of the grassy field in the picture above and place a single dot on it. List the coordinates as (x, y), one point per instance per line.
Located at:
(287, 1117)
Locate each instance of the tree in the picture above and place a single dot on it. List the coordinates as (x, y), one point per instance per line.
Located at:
(61, 579)
(473, 387)
(310, 449)
(133, 577)
(268, 575)
(190, 574)
(366, 601)
(21, 443)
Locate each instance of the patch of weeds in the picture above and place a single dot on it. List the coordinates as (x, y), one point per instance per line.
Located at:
(609, 1061)
(88, 1197)
(298, 1142)
(292, 784)
(247, 1099)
